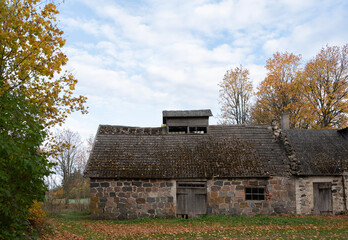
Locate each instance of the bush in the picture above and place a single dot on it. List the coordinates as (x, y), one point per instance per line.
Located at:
(37, 216)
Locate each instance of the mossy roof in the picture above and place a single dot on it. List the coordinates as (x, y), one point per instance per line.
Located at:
(225, 151)
(319, 151)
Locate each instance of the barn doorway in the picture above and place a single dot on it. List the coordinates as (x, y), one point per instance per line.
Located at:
(322, 198)
(191, 199)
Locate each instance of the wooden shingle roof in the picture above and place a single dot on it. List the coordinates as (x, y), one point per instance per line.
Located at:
(319, 151)
(225, 151)
(187, 113)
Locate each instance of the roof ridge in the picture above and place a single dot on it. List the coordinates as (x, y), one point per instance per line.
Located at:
(128, 130)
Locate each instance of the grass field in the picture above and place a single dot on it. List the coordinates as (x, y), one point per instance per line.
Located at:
(82, 200)
(69, 225)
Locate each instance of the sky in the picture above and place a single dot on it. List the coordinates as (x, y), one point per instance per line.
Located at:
(134, 59)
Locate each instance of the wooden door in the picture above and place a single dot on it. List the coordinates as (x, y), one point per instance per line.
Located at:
(322, 198)
(191, 199)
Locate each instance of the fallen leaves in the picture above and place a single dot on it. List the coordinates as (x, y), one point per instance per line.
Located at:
(328, 227)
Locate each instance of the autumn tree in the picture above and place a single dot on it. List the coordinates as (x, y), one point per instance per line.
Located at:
(71, 160)
(31, 60)
(326, 87)
(315, 97)
(235, 92)
(69, 153)
(280, 91)
(81, 184)
(35, 94)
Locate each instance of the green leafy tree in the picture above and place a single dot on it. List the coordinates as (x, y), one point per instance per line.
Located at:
(22, 165)
(35, 94)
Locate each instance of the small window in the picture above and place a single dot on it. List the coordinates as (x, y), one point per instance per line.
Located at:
(177, 130)
(198, 130)
(185, 129)
(254, 193)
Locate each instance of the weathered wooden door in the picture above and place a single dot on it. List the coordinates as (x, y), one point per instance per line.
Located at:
(191, 199)
(322, 198)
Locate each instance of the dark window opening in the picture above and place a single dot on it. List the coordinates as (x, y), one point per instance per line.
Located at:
(185, 129)
(192, 185)
(177, 130)
(255, 194)
(198, 130)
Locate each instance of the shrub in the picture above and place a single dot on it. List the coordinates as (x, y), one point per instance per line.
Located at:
(37, 215)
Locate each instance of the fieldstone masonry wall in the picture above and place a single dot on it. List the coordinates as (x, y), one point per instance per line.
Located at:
(130, 199)
(304, 193)
(345, 179)
(228, 197)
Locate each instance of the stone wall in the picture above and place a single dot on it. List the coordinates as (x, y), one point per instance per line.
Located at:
(304, 193)
(228, 196)
(130, 199)
(345, 177)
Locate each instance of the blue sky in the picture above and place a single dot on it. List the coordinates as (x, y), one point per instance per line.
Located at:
(134, 59)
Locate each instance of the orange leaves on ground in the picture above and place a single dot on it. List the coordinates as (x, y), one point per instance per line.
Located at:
(111, 229)
(147, 228)
(253, 228)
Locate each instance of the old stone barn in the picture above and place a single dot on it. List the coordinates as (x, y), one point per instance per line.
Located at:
(188, 168)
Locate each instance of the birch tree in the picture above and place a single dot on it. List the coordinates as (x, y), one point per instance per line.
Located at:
(68, 159)
(235, 92)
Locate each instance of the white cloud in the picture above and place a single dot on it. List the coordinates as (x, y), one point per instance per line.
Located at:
(325, 24)
(139, 58)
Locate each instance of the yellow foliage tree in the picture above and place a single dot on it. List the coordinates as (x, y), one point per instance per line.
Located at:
(315, 97)
(325, 80)
(35, 94)
(31, 60)
(235, 92)
(279, 92)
